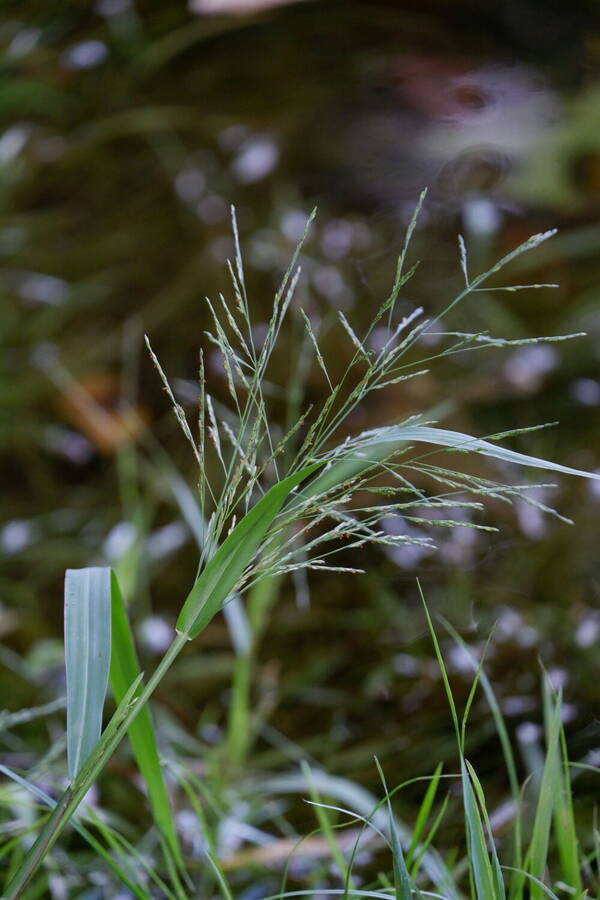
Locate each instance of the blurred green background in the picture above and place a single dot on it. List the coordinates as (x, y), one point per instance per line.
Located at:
(128, 129)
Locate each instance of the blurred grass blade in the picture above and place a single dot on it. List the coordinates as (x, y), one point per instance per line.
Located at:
(483, 876)
(423, 814)
(486, 877)
(124, 669)
(87, 659)
(507, 751)
(564, 820)
(499, 890)
(321, 812)
(442, 667)
(509, 757)
(564, 825)
(543, 888)
(224, 570)
(423, 848)
(537, 854)
(131, 856)
(219, 876)
(402, 886)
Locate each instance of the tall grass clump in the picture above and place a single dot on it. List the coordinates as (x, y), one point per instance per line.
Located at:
(280, 501)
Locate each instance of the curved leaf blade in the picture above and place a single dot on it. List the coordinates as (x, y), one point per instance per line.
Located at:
(456, 440)
(372, 447)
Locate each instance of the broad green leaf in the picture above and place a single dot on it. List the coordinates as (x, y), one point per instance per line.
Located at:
(124, 669)
(87, 659)
(112, 735)
(223, 572)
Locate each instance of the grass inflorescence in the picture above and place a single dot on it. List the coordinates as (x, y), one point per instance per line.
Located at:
(273, 501)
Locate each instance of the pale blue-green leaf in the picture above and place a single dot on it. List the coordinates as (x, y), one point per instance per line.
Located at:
(372, 447)
(458, 441)
(87, 659)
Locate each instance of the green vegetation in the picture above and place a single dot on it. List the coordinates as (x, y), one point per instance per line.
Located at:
(274, 500)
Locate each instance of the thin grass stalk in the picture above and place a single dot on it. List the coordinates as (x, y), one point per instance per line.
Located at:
(79, 826)
(326, 826)
(74, 794)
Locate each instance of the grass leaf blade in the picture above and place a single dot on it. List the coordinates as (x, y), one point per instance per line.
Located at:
(540, 838)
(87, 659)
(223, 572)
(402, 884)
(483, 876)
(456, 440)
(370, 448)
(423, 814)
(124, 669)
